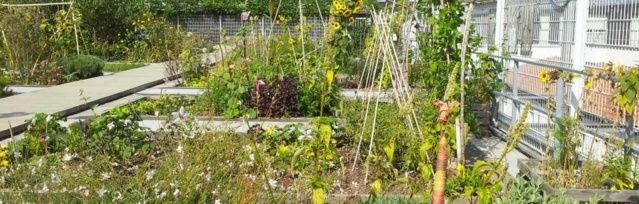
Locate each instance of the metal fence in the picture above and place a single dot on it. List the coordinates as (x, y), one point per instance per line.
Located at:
(569, 36)
(212, 25)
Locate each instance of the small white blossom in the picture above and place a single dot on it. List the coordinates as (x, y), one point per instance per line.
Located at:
(106, 176)
(252, 157)
(67, 157)
(217, 202)
(306, 136)
(110, 126)
(272, 182)
(149, 175)
(177, 193)
(180, 149)
(101, 192)
(44, 189)
(49, 118)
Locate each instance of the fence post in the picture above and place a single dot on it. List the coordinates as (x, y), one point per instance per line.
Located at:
(515, 107)
(499, 25)
(578, 54)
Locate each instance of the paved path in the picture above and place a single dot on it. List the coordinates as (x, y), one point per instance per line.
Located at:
(65, 99)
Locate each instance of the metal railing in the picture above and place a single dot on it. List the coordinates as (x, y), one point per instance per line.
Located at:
(596, 131)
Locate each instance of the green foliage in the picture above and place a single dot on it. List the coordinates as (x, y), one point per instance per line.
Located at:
(523, 191)
(82, 66)
(568, 134)
(621, 171)
(483, 79)
(288, 8)
(50, 36)
(44, 135)
(118, 67)
(105, 19)
(4, 91)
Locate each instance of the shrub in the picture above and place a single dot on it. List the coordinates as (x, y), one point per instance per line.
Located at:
(4, 82)
(82, 66)
(276, 99)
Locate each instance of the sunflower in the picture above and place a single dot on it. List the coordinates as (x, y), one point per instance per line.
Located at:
(544, 76)
(343, 33)
(291, 41)
(348, 13)
(336, 3)
(336, 26)
(339, 13)
(351, 20)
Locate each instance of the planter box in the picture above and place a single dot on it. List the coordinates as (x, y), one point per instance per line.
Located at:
(527, 167)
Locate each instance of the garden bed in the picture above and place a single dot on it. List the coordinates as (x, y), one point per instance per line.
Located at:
(531, 169)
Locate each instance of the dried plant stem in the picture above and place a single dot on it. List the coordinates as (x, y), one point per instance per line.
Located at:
(461, 83)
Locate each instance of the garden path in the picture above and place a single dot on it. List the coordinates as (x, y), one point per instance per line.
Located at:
(66, 98)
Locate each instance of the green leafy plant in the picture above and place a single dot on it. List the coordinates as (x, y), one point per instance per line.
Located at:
(620, 171)
(44, 135)
(82, 66)
(523, 191)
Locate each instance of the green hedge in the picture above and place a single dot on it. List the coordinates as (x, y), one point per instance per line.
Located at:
(82, 66)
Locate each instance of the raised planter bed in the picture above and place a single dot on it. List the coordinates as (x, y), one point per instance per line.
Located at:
(528, 168)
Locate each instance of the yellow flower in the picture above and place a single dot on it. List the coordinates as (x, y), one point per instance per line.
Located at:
(336, 3)
(43, 26)
(291, 41)
(283, 149)
(348, 13)
(339, 13)
(588, 85)
(459, 168)
(336, 26)
(329, 76)
(277, 22)
(2, 154)
(329, 157)
(133, 23)
(334, 141)
(351, 20)
(544, 76)
(343, 33)
(4, 163)
(297, 27)
(3, 147)
(269, 130)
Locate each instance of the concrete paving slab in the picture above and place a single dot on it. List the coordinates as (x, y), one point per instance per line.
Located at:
(65, 99)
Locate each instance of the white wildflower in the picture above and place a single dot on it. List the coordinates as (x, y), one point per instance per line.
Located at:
(44, 189)
(177, 193)
(102, 191)
(49, 118)
(272, 182)
(180, 149)
(149, 175)
(115, 164)
(106, 176)
(67, 157)
(252, 157)
(306, 135)
(217, 202)
(118, 197)
(110, 126)
(162, 195)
